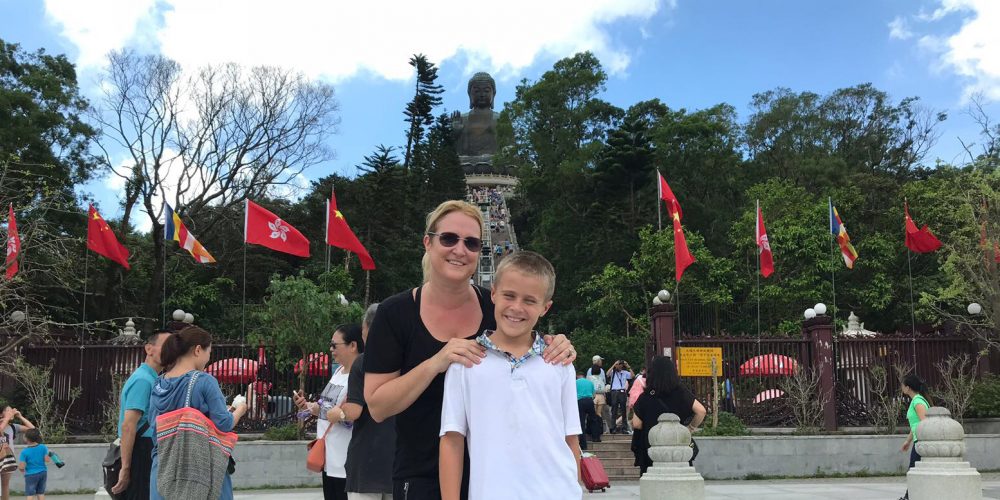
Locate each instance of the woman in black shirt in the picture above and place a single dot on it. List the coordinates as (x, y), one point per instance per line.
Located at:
(418, 333)
(664, 394)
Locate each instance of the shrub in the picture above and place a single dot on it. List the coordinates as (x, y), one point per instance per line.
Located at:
(958, 381)
(287, 432)
(985, 401)
(729, 425)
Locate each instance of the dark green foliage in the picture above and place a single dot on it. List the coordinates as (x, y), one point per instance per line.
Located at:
(729, 425)
(287, 432)
(985, 401)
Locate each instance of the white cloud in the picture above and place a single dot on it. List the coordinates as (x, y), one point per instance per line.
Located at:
(973, 52)
(898, 29)
(338, 40)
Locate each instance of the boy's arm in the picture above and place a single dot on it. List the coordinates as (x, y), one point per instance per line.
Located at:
(452, 454)
(22, 465)
(574, 445)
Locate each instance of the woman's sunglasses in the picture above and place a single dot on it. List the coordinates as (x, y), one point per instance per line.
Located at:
(449, 240)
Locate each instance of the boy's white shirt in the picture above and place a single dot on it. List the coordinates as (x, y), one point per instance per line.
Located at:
(516, 423)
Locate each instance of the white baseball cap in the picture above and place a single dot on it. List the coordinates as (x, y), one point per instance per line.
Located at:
(597, 358)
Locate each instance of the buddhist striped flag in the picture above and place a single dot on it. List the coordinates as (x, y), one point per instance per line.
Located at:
(174, 229)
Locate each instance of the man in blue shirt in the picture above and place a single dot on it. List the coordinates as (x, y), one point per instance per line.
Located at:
(136, 448)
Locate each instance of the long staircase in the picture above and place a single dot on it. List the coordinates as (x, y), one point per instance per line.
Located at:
(615, 453)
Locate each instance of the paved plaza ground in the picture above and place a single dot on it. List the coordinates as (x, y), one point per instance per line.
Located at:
(883, 488)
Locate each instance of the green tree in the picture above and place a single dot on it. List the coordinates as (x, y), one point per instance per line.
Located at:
(420, 111)
(298, 317)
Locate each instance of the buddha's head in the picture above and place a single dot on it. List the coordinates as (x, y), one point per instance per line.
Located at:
(482, 90)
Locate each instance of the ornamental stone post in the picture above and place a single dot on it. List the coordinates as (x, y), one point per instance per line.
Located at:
(671, 476)
(942, 471)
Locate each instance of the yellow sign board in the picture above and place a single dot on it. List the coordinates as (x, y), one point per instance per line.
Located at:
(697, 361)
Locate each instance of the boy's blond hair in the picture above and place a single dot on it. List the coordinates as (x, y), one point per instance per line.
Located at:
(435, 217)
(530, 263)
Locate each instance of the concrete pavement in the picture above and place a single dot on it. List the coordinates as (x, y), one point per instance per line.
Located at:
(882, 488)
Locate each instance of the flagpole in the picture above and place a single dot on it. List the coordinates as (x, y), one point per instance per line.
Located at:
(833, 256)
(757, 237)
(368, 282)
(163, 308)
(246, 219)
(86, 274)
(659, 205)
(326, 233)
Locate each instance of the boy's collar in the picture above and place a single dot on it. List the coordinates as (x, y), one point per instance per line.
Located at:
(537, 345)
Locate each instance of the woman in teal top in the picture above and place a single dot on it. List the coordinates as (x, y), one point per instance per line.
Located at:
(914, 388)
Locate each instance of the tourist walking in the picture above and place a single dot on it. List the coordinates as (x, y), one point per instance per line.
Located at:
(664, 394)
(9, 429)
(417, 334)
(914, 389)
(589, 422)
(373, 444)
(187, 352)
(134, 429)
(596, 375)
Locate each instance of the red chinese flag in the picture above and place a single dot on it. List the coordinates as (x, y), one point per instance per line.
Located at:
(261, 227)
(763, 246)
(667, 195)
(919, 240)
(682, 256)
(13, 245)
(339, 234)
(101, 239)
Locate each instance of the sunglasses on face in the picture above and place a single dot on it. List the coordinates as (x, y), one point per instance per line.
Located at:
(449, 240)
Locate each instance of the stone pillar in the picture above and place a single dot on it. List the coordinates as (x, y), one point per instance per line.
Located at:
(664, 324)
(942, 471)
(820, 331)
(671, 476)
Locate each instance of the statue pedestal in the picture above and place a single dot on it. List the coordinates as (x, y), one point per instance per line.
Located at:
(671, 476)
(942, 471)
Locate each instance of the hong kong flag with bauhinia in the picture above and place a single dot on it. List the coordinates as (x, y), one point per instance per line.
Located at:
(262, 227)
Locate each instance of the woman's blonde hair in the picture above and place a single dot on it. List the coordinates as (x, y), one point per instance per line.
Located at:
(435, 217)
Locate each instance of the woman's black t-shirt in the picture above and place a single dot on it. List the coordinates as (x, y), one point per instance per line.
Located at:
(399, 341)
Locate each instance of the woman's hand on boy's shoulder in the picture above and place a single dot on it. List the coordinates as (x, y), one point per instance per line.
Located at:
(560, 350)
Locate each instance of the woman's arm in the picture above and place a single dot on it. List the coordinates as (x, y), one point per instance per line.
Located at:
(559, 350)
(388, 394)
(636, 422)
(218, 410)
(27, 423)
(699, 415)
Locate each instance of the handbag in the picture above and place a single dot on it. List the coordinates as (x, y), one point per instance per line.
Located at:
(112, 463)
(8, 463)
(194, 454)
(316, 459)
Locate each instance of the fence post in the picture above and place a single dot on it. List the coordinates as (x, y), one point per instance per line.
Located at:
(664, 336)
(820, 331)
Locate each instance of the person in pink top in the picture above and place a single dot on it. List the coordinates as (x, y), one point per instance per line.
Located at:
(637, 387)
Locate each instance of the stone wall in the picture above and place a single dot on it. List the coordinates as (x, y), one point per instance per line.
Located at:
(273, 463)
(802, 456)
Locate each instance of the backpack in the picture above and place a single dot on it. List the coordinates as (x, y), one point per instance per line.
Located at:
(194, 455)
(112, 464)
(600, 386)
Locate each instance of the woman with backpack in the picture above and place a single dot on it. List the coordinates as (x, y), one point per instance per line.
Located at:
(663, 394)
(596, 375)
(185, 384)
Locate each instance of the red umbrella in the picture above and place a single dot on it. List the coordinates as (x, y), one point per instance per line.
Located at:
(233, 370)
(768, 365)
(768, 394)
(319, 365)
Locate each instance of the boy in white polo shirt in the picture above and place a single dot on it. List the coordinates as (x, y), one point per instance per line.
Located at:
(517, 412)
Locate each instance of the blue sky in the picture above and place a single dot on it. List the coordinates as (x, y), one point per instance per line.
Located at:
(690, 54)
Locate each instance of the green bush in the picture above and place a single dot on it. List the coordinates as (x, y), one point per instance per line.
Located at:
(985, 402)
(729, 425)
(287, 432)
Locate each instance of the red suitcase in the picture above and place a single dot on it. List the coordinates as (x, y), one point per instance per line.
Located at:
(594, 475)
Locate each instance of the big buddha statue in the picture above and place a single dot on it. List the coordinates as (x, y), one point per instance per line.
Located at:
(476, 131)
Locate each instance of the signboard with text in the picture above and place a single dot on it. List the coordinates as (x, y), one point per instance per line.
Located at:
(697, 361)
